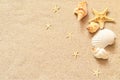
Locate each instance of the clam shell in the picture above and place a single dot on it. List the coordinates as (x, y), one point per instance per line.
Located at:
(103, 38)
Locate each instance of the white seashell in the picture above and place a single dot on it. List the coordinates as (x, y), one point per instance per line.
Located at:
(101, 53)
(103, 38)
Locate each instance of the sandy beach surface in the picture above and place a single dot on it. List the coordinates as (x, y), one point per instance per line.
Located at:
(37, 41)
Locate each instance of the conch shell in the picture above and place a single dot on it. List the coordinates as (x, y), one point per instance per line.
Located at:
(81, 10)
(102, 39)
(93, 27)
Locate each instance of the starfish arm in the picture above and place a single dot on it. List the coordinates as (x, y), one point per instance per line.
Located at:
(101, 24)
(94, 11)
(93, 19)
(108, 19)
(105, 11)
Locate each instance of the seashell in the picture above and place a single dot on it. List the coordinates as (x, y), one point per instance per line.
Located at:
(81, 10)
(93, 27)
(103, 38)
(101, 53)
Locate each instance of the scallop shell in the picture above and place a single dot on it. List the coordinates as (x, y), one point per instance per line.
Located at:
(93, 27)
(103, 38)
(81, 10)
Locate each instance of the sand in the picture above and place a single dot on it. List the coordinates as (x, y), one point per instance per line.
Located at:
(30, 50)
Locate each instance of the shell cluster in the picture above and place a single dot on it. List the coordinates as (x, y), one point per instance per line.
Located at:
(103, 37)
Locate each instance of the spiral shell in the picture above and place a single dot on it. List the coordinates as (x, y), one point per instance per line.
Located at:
(101, 53)
(103, 38)
(93, 27)
(81, 10)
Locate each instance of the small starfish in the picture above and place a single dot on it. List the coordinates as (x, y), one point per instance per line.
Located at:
(75, 54)
(56, 9)
(96, 73)
(101, 17)
(48, 26)
(69, 35)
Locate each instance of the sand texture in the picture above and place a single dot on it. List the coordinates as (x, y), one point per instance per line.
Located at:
(37, 41)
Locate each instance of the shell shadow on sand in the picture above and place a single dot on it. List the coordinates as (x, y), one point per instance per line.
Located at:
(83, 23)
(102, 61)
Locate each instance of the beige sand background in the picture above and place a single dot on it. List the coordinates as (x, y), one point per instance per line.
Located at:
(30, 52)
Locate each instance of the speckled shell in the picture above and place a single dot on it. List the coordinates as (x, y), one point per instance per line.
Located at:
(103, 38)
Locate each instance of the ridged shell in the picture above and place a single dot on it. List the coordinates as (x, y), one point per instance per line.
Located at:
(103, 38)
(93, 27)
(81, 10)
